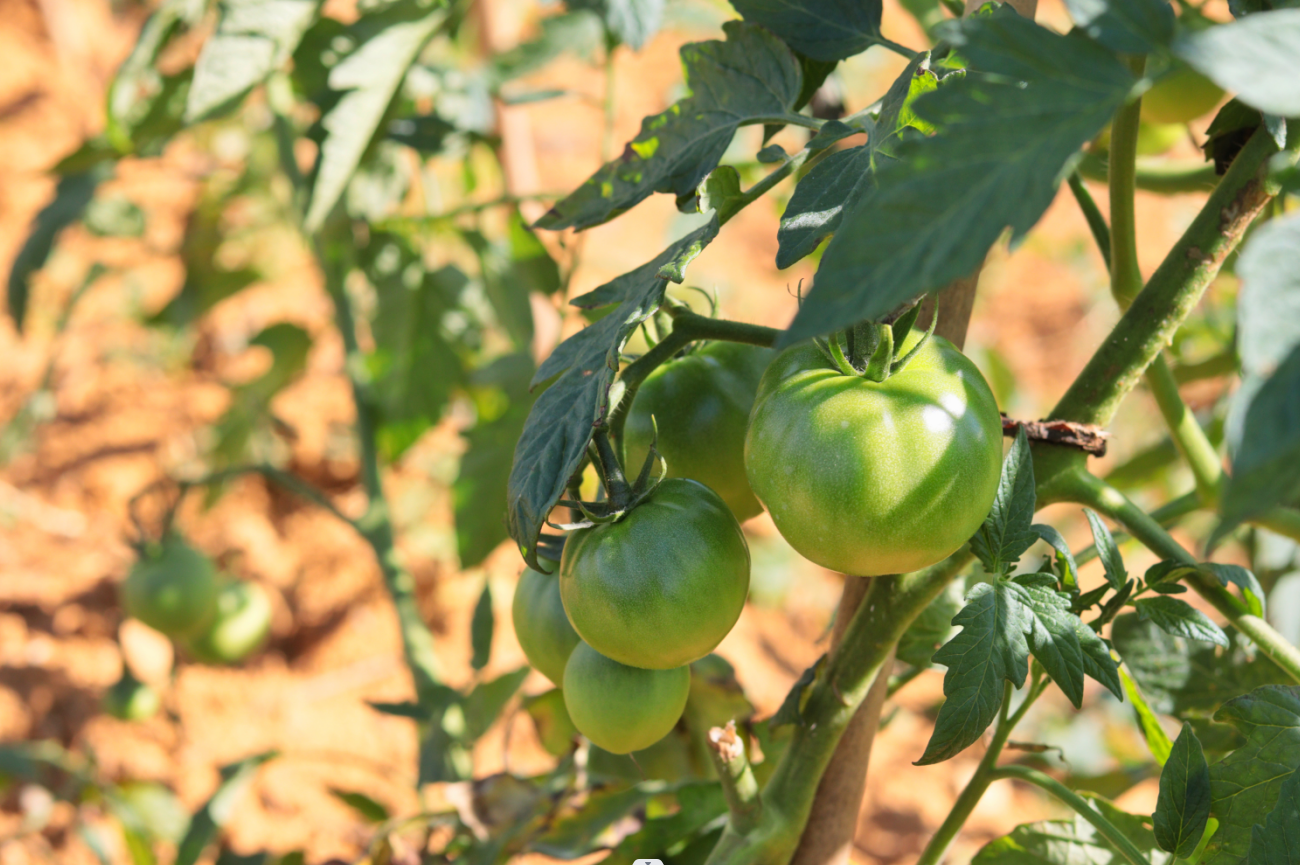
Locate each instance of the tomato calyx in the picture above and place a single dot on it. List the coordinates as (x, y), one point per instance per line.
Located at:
(869, 349)
(620, 495)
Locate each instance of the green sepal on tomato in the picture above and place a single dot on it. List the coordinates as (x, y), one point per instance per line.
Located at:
(172, 588)
(239, 627)
(541, 625)
(620, 708)
(871, 478)
(700, 403)
(661, 586)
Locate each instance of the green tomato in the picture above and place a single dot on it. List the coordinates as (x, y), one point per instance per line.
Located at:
(131, 700)
(701, 404)
(620, 708)
(1180, 97)
(240, 627)
(541, 624)
(1153, 138)
(872, 478)
(662, 586)
(172, 589)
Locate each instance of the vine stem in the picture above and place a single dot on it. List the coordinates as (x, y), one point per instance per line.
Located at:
(984, 774)
(1086, 489)
(1080, 805)
(1164, 176)
(1125, 276)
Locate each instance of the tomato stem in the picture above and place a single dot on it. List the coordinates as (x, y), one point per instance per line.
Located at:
(611, 470)
(878, 367)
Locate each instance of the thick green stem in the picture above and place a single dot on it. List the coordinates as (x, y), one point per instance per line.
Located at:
(984, 775)
(1080, 805)
(1095, 493)
(1125, 277)
(1173, 290)
(1167, 177)
(1192, 443)
(738, 784)
(376, 525)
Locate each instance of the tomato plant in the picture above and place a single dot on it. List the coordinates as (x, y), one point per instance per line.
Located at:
(868, 477)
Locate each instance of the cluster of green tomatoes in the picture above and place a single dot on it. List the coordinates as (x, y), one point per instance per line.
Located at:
(176, 590)
(875, 452)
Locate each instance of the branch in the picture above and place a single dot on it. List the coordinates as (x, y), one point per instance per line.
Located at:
(1174, 289)
(1089, 438)
(738, 784)
(1164, 176)
(1125, 276)
(1079, 804)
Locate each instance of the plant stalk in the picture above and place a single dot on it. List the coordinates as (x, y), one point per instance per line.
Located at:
(1163, 176)
(1190, 439)
(1125, 276)
(738, 784)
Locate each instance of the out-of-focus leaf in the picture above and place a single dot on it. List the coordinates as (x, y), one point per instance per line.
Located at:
(579, 32)
(1008, 529)
(138, 85)
(150, 810)
(1175, 616)
(1127, 26)
(1184, 804)
(698, 805)
(1156, 738)
(71, 197)
(555, 728)
(369, 809)
(1253, 57)
(1243, 579)
(632, 22)
(750, 76)
(481, 628)
(826, 30)
(387, 42)
(207, 282)
(209, 820)
(577, 834)
(1071, 842)
(485, 702)
(941, 204)
(1247, 783)
(114, 216)
(250, 404)
(1277, 840)
(253, 39)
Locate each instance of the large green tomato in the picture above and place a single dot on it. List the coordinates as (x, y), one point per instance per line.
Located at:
(620, 708)
(701, 404)
(541, 624)
(240, 627)
(872, 478)
(172, 589)
(663, 585)
(1180, 97)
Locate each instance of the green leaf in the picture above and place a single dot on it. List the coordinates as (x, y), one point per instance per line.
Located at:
(1175, 616)
(387, 43)
(481, 628)
(71, 197)
(114, 216)
(137, 85)
(1107, 551)
(989, 650)
(578, 32)
(253, 39)
(1277, 841)
(559, 426)
(937, 209)
(209, 820)
(1268, 310)
(931, 629)
(1008, 530)
(250, 404)
(550, 716)
(698, 805)
(149, 811)
(1065, 563)
(839, 181)
(1126, 26)
(1248, 782)
(1098, 663)
(1243, 579)
(370, 810)
(485, 702)
(1071, 842)
(1187, 680)
(501, 397)
(1184, 804)
(632, 22)
(1254, 58)
(1156, 738)
(1053, 638)
(827, 30)
(578, 834)
(750, 76)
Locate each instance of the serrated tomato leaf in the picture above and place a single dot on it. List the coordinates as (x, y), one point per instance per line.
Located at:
(1006, 135)
(1107, 551)
(1176, 616)
(827, 30)
(1008, 529)
(749, 77)
(1072, 842)
(1065, 563)
(1183, 807)
(1277, 840)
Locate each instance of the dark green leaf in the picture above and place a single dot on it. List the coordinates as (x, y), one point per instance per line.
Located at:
(698, 805)
(1071, 842)
(840, 180)
(550, 716)
(631, 22)
(1248, 782)
(1174, 616)
(427, 133)
(1163, 572)
(1243, 579)
(370, 810)
(1107, 551)
(937, 209)
(71, 197)
(1098, 663)
(555, 436)
(250, 404)
(1184, 804)
(1254, 58)
(750, 76)
(1156, 738)
(387, 42)
(481, 628)
(253, 39)
(1277, 841)
(989, 650)
(931, 629)
(578, 834)
(1127, 26)
(485, 702)
(1065, 563)
(209, 820)
(1187, 680)
(825, 30)
(138, 85)
(1008, 530)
